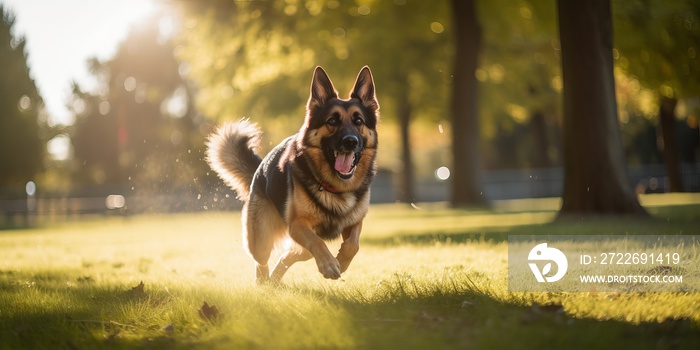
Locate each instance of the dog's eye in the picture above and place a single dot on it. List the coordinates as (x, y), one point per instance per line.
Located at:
(357, 119)
(334, 120)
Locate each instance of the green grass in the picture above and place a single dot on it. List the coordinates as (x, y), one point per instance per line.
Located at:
(427, 278)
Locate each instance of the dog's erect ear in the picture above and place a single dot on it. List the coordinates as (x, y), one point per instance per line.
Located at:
(321, 89)
(364, 90)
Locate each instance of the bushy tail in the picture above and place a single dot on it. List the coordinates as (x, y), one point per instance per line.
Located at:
(231, 152)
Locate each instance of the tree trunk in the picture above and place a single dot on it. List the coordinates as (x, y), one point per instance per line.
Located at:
(595, 176)
(538, 126)
(406, 193)
(667, 107)
(466, 187)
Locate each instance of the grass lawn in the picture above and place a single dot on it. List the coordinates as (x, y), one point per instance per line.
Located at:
(429, 278)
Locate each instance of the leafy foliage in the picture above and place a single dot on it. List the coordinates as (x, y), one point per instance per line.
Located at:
(21, 110)
(658, 44)
(248, 58)
(139, 126)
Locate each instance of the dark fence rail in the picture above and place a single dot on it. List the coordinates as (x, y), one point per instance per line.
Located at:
(496, 184)
(549, 182)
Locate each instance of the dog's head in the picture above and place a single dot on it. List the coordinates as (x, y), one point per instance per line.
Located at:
(340, 134)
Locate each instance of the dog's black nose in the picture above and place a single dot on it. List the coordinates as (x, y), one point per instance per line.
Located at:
(349, 142)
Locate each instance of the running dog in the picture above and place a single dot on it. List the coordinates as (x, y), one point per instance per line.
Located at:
(312, 187)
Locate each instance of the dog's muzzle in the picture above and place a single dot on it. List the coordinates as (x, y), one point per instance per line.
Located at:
(346, 156)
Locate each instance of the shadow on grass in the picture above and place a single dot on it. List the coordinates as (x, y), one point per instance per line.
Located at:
(42, 310)
(463, 316)
(65, 310)
(689, 212)
(674, 220)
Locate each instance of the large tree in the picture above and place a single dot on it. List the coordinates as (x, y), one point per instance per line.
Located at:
(21, 146)
(595, 176)
(465, 127)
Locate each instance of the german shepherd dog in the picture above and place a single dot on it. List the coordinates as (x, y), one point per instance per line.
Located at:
(313, 186)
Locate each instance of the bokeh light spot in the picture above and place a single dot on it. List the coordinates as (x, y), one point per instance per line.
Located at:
(130, 84)
(30, 188)
(437, 27)
(24, 103)
(442, 173)
(105, 107)
(115, 201)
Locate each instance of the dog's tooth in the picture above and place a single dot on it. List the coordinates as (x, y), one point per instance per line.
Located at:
(335, 154)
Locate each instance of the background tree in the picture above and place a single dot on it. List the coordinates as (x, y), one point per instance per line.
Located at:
(94, 138)
(466, 188)
(513, 120)
(595, 176)
(414, 81)
(250, 57)
(21, 145)
(139, 127)
(520, 84)
(657, 45)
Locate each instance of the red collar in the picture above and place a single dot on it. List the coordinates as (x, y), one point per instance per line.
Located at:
(326, 187)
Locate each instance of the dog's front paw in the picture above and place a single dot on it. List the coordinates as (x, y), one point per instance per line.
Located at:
(329, 268)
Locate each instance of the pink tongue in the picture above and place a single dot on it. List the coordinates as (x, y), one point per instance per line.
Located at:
(343, 163)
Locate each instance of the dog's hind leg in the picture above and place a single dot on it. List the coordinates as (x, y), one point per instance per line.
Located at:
(289, 258)
(350, 245)
(262, 225)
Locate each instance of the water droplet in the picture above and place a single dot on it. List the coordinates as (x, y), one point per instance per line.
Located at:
(199, 196)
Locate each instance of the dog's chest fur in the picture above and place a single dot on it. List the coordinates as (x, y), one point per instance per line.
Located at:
(291, 186)
(332, 212)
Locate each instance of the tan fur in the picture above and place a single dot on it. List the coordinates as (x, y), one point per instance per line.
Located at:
(261, 232)
(311, 141)
(226, 157)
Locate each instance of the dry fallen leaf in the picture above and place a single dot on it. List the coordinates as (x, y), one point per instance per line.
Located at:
(85, 279)
(208, 313)
(138, 289)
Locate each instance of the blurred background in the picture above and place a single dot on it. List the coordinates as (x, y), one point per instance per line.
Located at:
(105, 105)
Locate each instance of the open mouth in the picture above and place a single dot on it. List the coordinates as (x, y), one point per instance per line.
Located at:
(345, 163)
